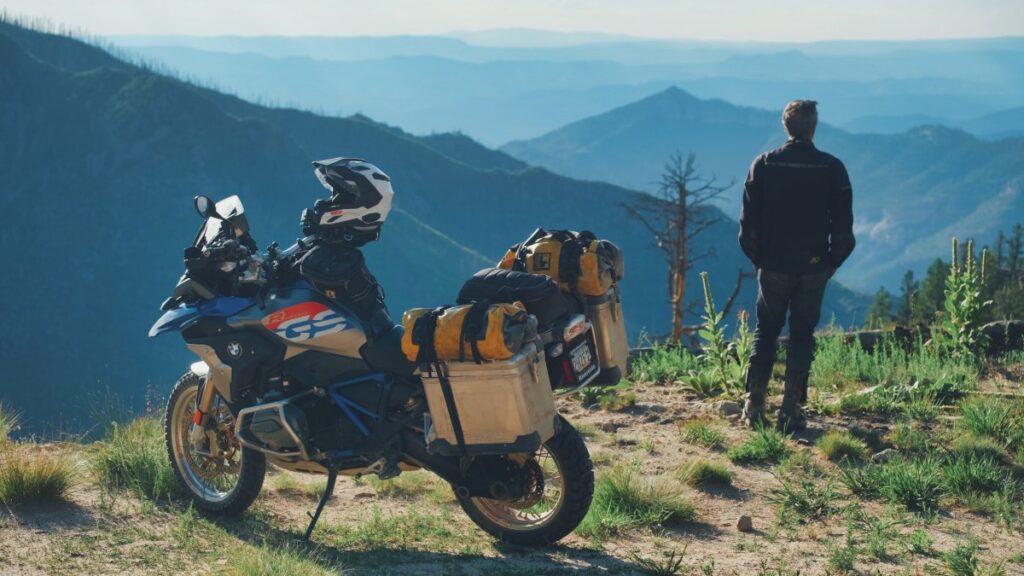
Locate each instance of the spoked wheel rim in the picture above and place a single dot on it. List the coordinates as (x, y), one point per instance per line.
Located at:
(213, 477)
(533, 511)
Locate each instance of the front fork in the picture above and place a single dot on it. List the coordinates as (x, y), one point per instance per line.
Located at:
(203, 433)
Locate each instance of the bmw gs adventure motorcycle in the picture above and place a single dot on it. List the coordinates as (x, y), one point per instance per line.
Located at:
(289, 376)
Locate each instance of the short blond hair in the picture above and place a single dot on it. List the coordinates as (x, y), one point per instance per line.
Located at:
(800, 118)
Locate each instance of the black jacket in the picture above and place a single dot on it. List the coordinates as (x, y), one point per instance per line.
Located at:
(797, 212)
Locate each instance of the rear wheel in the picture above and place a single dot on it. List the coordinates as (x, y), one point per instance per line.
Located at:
(564, 488)
(219, 474)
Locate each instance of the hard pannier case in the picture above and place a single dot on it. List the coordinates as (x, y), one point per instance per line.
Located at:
(605, 313)
(500, 407)
(578, 261)
(473, 332)
(539, 294)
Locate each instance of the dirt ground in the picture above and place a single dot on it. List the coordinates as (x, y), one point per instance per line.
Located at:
(413, 526)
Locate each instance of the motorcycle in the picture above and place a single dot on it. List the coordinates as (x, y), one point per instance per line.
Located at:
(289, 376)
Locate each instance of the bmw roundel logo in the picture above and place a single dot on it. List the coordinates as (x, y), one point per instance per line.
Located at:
(234, 349)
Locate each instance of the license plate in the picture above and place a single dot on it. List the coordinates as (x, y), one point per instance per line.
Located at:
(581, 358)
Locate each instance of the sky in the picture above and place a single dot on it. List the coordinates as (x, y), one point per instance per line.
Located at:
(732, 20)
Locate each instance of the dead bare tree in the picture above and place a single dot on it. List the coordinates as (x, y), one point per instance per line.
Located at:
(675, 215)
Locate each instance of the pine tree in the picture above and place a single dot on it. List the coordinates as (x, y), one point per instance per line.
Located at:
(908, 297)
(880, 312)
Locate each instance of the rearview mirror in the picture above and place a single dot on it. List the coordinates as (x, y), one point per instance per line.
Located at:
(206, 207)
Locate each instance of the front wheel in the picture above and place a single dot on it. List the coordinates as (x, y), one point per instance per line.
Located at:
(558, 505)
(219, 474)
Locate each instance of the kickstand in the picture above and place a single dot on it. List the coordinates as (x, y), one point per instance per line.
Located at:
(332, 477)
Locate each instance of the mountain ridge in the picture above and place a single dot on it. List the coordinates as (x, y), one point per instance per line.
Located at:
(907, 186)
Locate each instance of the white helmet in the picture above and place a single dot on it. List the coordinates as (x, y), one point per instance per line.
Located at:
(361, 196)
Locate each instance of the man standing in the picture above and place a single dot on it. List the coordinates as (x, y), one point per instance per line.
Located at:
(796, 227)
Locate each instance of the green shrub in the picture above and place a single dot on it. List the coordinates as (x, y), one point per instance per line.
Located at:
(972, 475)
(704, 473)
(908, 439)
(986, 416)
(134, 457)
(610, 398)
(840, 446)
(980, 447)
(865, 481)
(1006, 505)
(662, 365)
(842, 558)
(805, 499)
(624, 500)
(962, 560)
(703, 383)
(878, 533)
(766, 445)
(618, 401)
(29, 474)
(916, 484)
(803, 463)
(920, 543)
(702, 432)
(923, 410)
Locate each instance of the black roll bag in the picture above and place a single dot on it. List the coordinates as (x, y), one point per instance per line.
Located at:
(539, 294)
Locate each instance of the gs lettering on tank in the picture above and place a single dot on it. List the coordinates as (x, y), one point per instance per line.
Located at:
(305, 321)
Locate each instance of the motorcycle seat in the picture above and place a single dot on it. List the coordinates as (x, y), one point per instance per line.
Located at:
(384, 353)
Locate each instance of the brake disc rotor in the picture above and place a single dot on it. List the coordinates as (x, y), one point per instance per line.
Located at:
(534, 480)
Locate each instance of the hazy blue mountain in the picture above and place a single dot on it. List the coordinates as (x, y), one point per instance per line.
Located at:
(912, 191)
(893, 124)
(997, 125)
(1000, 124)
(102, 159)
(499, 93)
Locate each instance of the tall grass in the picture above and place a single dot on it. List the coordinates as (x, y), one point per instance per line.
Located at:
(703, 433)
(705, 473)
(766, 445)
(8, 423)
(134, 457)
(266, 560)
(663, 365)
(839, 446)
(994, 418)
(624, 499)
(917, 371)
(29, 473)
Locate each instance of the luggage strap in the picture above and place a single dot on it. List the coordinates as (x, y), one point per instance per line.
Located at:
(449, 401)
(473, 330)
(423, 334)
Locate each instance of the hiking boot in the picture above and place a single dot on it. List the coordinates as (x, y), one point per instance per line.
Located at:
(757, 384)
(791, 415)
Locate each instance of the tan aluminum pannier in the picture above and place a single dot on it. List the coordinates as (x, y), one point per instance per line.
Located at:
(605, 313)
(500, 406)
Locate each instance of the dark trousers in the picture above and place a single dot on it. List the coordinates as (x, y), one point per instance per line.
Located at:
(800, 295)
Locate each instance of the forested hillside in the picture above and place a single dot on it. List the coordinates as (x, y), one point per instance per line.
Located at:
(102, 159)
